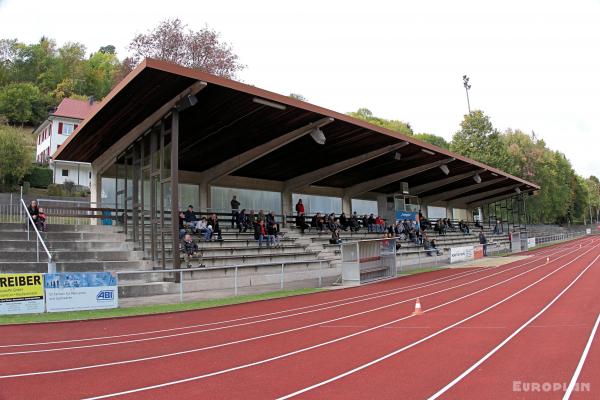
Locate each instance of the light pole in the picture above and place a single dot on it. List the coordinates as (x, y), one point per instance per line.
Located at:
(467, 87)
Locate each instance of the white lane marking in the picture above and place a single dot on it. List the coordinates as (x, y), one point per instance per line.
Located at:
(270, 319)
(389, 355)
(395, 290)
(268, 335)
(510, 337)
(581, 361)
(285, 355)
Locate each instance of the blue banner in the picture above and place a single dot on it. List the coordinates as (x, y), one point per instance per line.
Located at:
(406, 215)
(69, 291)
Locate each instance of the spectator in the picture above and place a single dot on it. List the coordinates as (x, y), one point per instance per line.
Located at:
(34, 211)
(354, 223)
(261, 216)
(335, 236)
(299, 207)
(464, 228)
(379, 224)
(242, 221)
(182, 230)
(235, 206)
(344, 222)
(371, 223)
(478, 224)
(272, 226)
(365, 222)
(261, 234)
(190, 250)
(213, 222)
(319, 222)
(301, 222)
(204, 229)
(497, 228)
(42, 219)
(252, 219)
(190, 217)
(483, 241)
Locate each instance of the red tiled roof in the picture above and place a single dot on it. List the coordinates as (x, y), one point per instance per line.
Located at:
(73, 108)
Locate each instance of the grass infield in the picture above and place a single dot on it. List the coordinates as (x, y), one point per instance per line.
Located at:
(147, 310)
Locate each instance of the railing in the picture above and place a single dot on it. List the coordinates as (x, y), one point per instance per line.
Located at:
(239, 279)
(39, 239)
(558, 237)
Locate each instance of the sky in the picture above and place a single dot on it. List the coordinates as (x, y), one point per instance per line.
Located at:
(533, 65)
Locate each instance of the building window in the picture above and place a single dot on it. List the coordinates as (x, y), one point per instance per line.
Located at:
(65, 172)
(67, 129)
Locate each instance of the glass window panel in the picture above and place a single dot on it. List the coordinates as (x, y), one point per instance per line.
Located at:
(314, 204)
(188, 194)
(363, 207)
(249, 199)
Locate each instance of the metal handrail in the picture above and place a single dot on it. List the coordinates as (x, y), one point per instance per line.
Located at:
(38, 240)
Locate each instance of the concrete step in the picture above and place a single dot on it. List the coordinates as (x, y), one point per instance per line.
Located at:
(246, 251)
(70, 245)
(60, 256)
(62, 236)
(63, 228)
(74, 266)
(230, 260)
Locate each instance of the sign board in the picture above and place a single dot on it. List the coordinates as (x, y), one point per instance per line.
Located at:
(406, 215)
(72, 291)
(477, 251)
(458, 254)
(21, 293)
(588, 231)
(530, 243)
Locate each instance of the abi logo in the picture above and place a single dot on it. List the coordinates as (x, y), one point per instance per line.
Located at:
(105, 295)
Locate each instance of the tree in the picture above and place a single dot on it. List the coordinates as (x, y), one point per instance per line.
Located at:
(391, 124)
(202, 49)
(434, 140)
(98, 74)
(297, 97)
(14, 158)
(23, 103)
(479, 140)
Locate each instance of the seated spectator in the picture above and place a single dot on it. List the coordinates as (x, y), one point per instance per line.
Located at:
(242, 221)
(301, 222)
(42, 220)
(34, 211)
(354, 222)
(380, 224)
(204, 229)
(365, 222)
(464, 228)
(261, 216)
(344, 222)
(299, 207)
(272, 228)
(213, 222)
(319, 221)
(252, 219)
(190, 250)
(478, 224)
(182, 230)
(371, 223)
(497, 228)
(261, 234)
(335, 237)
(190, 218)
(431, 247)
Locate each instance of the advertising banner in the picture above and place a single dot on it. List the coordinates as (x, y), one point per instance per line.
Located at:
(21, 293)
(406, 215)
(72, 291)
(458, 254)
(530, 243)
(588, 231)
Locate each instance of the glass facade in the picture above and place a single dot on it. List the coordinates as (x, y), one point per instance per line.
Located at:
(314, 204)
(250, 199)
(363, 207)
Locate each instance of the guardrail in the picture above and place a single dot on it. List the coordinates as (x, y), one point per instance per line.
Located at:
(278, 281)
(51, 264)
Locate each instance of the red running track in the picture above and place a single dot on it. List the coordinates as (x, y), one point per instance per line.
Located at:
(486, 333)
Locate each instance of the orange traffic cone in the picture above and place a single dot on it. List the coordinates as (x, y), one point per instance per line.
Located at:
(418, 309)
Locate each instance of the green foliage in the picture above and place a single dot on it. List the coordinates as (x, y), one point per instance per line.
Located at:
(434, 140)
(391, 124)
(14, 158)
(39, 177)
(23, 103)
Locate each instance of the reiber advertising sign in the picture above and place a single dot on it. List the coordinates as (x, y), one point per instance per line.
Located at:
(21, 293)
(71, 291)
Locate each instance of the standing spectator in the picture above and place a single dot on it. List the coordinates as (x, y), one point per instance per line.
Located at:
(235, 206)
(213, 222)
(299, 207)
(497, 228)
(483, 241)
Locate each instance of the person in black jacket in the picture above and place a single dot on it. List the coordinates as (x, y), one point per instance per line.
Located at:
(235, 207)
(483, 241)
(214, 222)
(34, 211)
(190, 250)
(190, 218)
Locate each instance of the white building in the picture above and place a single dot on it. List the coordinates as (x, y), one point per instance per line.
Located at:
(52, 133)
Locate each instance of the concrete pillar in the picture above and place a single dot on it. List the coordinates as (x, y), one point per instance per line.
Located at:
(95, 192)
(287, 208)
(205, 202)
(347, 205)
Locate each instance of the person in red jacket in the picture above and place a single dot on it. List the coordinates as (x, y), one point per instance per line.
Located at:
(299, 207)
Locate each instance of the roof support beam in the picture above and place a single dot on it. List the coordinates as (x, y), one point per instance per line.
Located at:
(233, 164)
(453, 193)
(322, 173)
(482, 195)
(483, 202)
(108, 157)
(442, 182)
(384, 180)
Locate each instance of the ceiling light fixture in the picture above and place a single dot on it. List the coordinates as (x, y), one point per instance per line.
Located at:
(268, 103)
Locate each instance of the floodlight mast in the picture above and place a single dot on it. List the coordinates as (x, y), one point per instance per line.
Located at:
(467, 87)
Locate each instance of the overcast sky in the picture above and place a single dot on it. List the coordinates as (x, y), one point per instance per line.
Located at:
(534, 65)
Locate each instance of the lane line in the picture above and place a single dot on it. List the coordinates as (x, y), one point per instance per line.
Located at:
(281, 317)
(396, 352)
(511, 336)
(586, 350)
(547, 252)
(285, 355)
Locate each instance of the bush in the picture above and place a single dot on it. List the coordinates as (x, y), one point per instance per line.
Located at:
(14, 157)
(39, 177)
(55, 190)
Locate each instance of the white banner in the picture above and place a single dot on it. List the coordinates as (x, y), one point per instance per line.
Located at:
(458, 254)
(72, 291)
(588, 231)
(530, 243)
